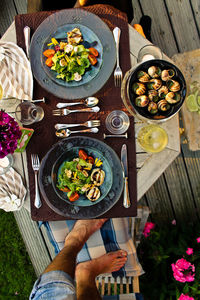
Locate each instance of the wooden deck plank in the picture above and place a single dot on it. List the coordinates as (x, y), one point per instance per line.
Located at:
(196, 10)
(180, 191)
(33, 240)
(193, 169)
(161, 33)
(149, 170)
(47, 242)
(7, 13)
(159, 202)
(137, 13)
(21, 6)
(182, 19)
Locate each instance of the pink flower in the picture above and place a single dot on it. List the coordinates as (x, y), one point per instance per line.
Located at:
(183, 270)
(174, 222)
(198, 240)
(147, 228)
(189, 251)
(185, 297)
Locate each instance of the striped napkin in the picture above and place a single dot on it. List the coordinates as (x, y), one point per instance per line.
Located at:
(12, 191)
(15, 72)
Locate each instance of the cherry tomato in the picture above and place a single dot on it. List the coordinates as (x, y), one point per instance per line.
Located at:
(74, 197)
(94, 52)
(49, 61)
(92, 59)
(90, 160)
(82, 154)
(65, 189)
(49, 52)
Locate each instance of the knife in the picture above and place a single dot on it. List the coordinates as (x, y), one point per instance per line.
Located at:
(124, 161)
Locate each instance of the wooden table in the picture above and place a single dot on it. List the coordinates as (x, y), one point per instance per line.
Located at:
(149, 167)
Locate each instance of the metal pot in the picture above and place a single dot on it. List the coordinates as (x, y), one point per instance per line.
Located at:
(129, 96)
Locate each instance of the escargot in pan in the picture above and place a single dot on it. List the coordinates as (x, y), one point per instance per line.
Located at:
(139, 88)
(172, 97)
(173, 85)
(154, 71)
(143, 76)
(167, 74)
(154, 84)
(142, 101)
(153, 95)
(163, 105)
(152, 108)
(162, 92)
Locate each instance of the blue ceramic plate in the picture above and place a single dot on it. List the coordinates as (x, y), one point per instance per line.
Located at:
(69, 156)
(89, 36)
(93, 28)
(66, 150)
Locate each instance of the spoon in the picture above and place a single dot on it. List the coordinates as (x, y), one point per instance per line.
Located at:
(89, 102)
(66, 132)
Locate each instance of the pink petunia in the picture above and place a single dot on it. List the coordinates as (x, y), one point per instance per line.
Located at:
(183, 270)
(174, 222)
(189, 251)
(198, 240)
(185, 297)
(147, 228)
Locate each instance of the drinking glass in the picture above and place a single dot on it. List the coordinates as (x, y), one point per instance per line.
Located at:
(117, 122)
(28, 113)
(152, 138)
(149, 52)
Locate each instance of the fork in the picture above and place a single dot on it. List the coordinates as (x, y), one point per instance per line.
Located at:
(36, 165)
(118, 71)
(92, 123)
(65, 111)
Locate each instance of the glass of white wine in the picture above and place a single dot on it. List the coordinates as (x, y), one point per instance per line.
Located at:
(152, 138)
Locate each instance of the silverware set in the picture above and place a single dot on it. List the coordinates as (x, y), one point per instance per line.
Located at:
(62, 129)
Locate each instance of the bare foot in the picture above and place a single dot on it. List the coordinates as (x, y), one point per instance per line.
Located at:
(106, 263)
(82, 230)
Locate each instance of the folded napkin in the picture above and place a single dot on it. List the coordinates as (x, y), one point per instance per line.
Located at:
(15, 72)
(12, 191)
